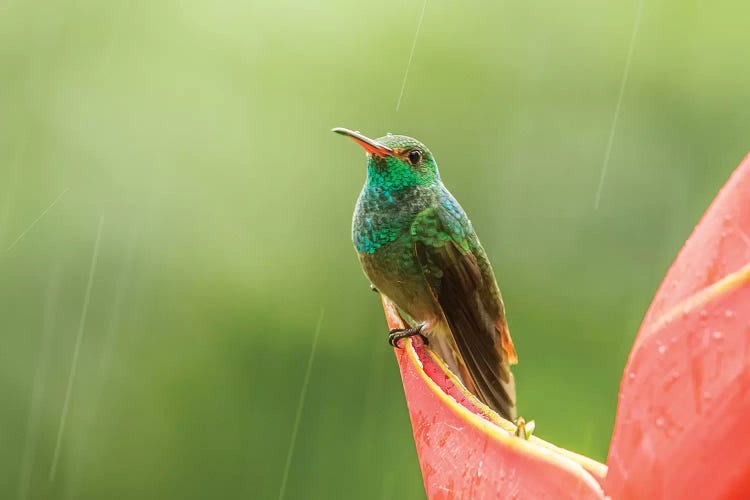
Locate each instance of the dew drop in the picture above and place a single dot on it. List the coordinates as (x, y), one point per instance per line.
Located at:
(631, 375)
(662, 349)
(728, 313)
(671, 378)
(717, 335)
(660, 422)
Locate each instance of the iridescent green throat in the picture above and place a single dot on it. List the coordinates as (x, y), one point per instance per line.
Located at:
(398, 187)
(393, 173)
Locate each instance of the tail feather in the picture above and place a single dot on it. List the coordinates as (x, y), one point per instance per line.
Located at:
(483, 349)
(443, 344)
(489, 370)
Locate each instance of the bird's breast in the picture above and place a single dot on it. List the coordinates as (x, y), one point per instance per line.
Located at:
(382, 217)
(381, 233)
(396, 273)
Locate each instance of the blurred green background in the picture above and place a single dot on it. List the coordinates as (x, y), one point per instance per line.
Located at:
(191, 139)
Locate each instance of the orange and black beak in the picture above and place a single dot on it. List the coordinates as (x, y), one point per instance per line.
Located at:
(371, 146)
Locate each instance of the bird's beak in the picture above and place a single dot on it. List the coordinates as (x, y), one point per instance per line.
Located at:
(371, 146)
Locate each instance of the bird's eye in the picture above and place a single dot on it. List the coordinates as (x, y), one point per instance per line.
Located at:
(415, 156)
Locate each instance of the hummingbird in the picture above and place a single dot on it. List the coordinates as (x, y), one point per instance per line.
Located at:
(417, 247)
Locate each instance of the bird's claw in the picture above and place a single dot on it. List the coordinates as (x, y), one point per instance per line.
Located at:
(524, 429)
(396, 334)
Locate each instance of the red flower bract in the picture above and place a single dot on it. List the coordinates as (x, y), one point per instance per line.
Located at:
(683, 400)
(467, 451)
(685, 395)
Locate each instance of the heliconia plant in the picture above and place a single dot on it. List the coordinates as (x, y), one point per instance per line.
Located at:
(683, 405)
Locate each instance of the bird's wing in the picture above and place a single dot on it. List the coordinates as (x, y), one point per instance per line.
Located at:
(464, 287)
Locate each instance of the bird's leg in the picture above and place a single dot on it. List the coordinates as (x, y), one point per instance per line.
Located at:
(396, 334)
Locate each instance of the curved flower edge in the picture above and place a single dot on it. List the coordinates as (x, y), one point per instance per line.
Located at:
(467, 450)
(680, 430)
(683, 406)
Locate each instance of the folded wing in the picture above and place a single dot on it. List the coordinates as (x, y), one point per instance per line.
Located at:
(464, 287)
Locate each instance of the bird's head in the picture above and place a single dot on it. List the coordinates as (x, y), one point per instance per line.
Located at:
(396, 162)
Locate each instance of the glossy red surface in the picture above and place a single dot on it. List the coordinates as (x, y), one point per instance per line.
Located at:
(684, 397)
(463, 453)
(685, 393)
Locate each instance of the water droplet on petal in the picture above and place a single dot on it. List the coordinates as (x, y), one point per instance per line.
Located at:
(728, 313)
(662, 349)
(631, 375)
(660, 422)
(671, 378)
(717, 335)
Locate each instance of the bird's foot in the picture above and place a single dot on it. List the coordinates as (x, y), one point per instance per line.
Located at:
(525, 429)
(396, 334)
